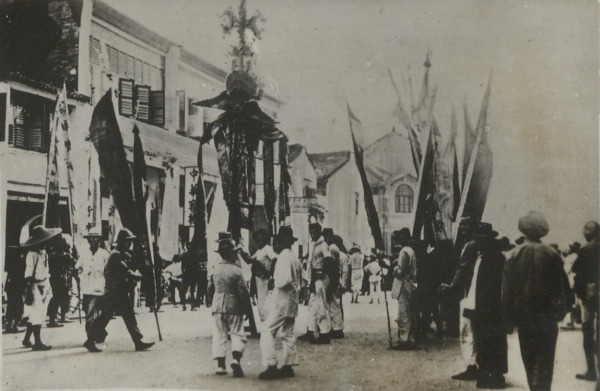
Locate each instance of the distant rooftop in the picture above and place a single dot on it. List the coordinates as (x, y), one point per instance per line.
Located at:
(326, 164)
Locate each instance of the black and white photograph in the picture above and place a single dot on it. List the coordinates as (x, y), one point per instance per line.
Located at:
(345, 195)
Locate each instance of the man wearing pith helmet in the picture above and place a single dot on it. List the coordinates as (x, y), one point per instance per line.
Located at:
(533, 299)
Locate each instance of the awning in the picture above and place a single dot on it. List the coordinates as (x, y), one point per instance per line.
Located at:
(165, 145)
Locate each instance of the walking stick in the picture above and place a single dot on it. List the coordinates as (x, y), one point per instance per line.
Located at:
(387, 312)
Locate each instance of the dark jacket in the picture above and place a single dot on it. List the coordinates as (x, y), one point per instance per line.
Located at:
(464, 272)
(487, 322)
(586, 268)
(533, 288)
(118, 276)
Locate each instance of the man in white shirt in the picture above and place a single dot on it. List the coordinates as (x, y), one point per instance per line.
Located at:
(277, 337)
(317, 304)
(91, 274)
(262, 266)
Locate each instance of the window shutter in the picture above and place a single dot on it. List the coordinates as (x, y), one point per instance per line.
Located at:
(157, 104)
(18, 134)
(126, 97)
(181, 98)
(113, 59)
(2, 117)
(142, 94)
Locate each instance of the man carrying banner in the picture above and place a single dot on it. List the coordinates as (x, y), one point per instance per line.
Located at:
(117, 298)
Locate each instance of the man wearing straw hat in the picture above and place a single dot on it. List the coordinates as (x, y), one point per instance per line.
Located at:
(118, 275)
(533, 299)
(90, 267)
(230, 303)
(277, 338)
(37, 277)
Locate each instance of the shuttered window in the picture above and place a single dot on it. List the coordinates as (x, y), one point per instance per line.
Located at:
(181, 99)
(142, 94)
(31, 122)
(157, 104)
(2, 117)
(126, 97)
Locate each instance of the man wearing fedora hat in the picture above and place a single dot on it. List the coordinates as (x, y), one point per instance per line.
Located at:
(37, 276)
(230, 303)
(117, 300)
(277, 338)
(534, 299)
(90, 267)
(481, 308)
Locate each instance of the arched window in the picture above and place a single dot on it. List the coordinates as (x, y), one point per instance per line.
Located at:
(404, 199)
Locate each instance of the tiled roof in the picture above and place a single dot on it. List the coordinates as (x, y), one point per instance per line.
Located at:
(294, 151)
(326, 164)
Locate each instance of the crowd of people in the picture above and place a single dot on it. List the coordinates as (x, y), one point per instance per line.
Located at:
(478, 288)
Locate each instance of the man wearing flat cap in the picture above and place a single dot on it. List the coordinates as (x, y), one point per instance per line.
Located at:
(118, 277)
(534, 299)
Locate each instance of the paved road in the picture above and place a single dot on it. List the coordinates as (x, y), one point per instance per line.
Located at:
(361, 361)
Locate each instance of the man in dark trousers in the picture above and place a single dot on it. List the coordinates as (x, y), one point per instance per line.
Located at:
(60, 264)
(486, 292)
(586, 272)
(459, 287)
(117, 299)
(534, 299)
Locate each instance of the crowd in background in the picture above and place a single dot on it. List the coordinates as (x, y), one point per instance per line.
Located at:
(478, 288)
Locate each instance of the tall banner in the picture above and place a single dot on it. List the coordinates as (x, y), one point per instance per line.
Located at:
(51, 217)
(356, 132)
(479, 173)
(107, 139)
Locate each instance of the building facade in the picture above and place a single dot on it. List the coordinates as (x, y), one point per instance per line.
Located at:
(91, 48)
(341, 194)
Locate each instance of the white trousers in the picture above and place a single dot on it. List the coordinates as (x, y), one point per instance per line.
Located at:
(319, 308)
(224, 325)
(278, 339)
(38, 308)
(335, 311)
(405, 318)
(467, 340)
(262, 292)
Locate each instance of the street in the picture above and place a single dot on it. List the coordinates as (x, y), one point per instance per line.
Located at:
(361, 361)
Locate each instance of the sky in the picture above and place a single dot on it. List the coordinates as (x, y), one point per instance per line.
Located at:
(541, 58)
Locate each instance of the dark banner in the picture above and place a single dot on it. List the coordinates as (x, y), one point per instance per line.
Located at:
(106, 136)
